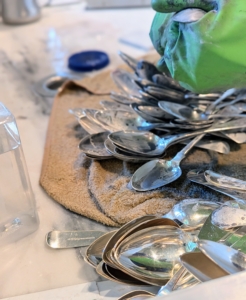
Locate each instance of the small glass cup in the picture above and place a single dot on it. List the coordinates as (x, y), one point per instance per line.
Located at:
(18, 215)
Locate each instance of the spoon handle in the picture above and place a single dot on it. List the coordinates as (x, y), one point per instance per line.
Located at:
(71, 239)
(226, 94)
(181, 154)
(168, 288)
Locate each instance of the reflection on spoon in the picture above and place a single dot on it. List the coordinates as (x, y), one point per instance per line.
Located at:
(192, 212)
(229, 259)
(224, 181)
(157, 173)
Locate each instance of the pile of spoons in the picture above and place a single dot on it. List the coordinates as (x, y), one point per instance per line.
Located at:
(146, 250)
(153, 112)
(164, 251)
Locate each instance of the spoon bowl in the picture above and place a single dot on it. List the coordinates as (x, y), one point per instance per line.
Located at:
(93, 254)
(192, 212)
(153, 253)
(157, 173)
(93, 145)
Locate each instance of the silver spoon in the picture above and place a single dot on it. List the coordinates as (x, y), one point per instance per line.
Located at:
(149, 144)
(120, 120)
(234, 124)
(225, 181)
(201, 267)
(110, 105)
(226, 217)
(159, 172)
(142, 114)
(192, 212)
(89, 126)
(125, 81)
(161, 93)
(225, 95)
(229, 259)
(130, 61)
(153, 253)
(117, 153)
(182, 112)
(213, 145)
(167, 82)
(93, 145)
(188, 15)
(71, 239)
(154, 111)
(125, 99)
(146, 70)
(198, 177)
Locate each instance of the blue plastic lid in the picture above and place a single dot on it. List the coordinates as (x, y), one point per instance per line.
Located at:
(87, 61)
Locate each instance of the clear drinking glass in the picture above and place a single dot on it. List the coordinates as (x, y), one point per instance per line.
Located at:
(18, 215)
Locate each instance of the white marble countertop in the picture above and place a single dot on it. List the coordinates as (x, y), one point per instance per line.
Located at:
(29, 269)
(27, 54)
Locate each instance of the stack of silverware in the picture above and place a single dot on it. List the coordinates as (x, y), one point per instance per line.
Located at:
(153, 112)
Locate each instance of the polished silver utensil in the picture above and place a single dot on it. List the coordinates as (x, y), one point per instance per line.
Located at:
(225, 181)
(224, 96)
(130, 61)
(213, 145)
(153, 253)
(181, 279)
(198, 177)
(168, 82)
(228, 216)
(216, 127)
(71, 239)
(183, 112)
(200, 266)
(142, 114)
(159, 172)
(164, 93)
(120, 120)
(110, 105)
(125, 99)
(137, 295)
(192, 212)
(93, 145)
(125, 82)
(93, 254)
(144, 143)
(188, 15)
(146, 70)
(89, 126)
(227, 258)
(122, 155)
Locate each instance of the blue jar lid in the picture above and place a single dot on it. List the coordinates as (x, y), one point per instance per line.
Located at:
(87, 61)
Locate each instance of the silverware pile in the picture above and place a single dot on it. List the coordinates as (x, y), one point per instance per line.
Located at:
(152, 113)
(165, 251)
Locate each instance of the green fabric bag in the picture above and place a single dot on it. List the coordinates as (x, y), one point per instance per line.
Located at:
(205, 56)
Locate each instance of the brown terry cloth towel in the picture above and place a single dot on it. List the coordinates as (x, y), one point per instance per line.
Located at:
(97, 189)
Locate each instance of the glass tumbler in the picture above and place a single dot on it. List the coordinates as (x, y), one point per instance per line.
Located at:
(18, 215)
